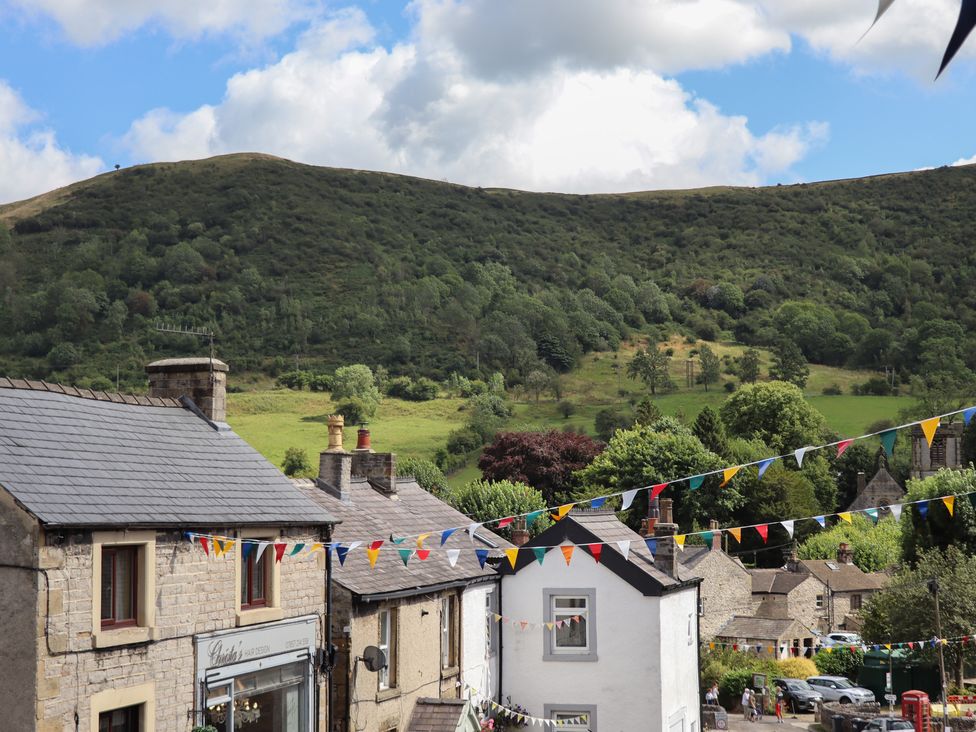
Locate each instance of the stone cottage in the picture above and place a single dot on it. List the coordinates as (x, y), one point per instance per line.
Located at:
(848, 587)
(790, 593)
(113, 620)
(772, 637)
(432, 620)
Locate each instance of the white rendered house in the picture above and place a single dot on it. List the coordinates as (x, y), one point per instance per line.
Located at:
(630, 661)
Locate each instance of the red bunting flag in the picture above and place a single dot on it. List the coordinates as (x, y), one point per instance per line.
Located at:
(505, 522)
(843, 445)
(205, 545)
(376, 545)
(595, 550)
(735, 646)
(657, 490)
(422, 554)
(911, 645)
(279, 551)
(568, 552)
(763, 531)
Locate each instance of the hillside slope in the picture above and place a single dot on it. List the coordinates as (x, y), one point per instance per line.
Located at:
(292, 262)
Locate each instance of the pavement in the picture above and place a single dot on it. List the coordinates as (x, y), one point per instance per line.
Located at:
(790, 723)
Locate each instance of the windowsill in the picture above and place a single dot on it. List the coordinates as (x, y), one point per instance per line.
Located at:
(259, 615)
(387, 694)
(110, 638)
(447, 673)
(585, 657)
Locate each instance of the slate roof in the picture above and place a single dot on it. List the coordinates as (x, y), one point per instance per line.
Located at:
(371, 515)
(80, 458)
(692, 556)
(437, 715)
(776, 581)
(842, 577)
(742, 626)
(583, 527)
(881, 490)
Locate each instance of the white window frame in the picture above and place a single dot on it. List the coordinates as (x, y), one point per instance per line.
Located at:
(449, 628)
(570, 711)
(387, 618)
(491, 625)
(550, 651)
(820, 602)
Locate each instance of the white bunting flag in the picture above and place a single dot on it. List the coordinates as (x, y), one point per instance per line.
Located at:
(471, 530)
(624, 547)
(262, 545)
(798, 454)
(896, 511)
(788, 525)
(354, 545)
(452, 556)
(629, 497)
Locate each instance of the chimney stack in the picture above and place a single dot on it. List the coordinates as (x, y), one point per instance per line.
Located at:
(664, 530)
(335, 464)
(362, 440)
(844, 554)
(653, 515)
(792, 559)
(860, 482)
(203, 380)
(716, 535)
(520, 533)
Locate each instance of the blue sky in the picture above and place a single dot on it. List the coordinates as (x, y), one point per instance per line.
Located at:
(596, 95)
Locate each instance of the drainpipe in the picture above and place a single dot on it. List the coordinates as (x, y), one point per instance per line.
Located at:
(329, 652)
(501, 641)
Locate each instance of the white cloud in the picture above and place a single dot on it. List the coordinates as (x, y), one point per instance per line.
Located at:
(95, 22)
(31, 161)
(965, 161)
(420, 109)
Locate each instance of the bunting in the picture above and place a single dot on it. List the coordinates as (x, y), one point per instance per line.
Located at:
(512, 555)
(788, 525)
(563, 510)
(482, 555)
(845, 516)
(736, 534)
(279, 551)
(763, 531)
(728, 474)
(895, 511)
(679, 541)
(799, 454)
(405, 555)
(950, 504)
(658, 489)
(929, 426)
(598, 502)
(888, 438)
(595, 550)
(452, 557)
(923, 510)
(764, 466)
(540, 554)
(567, 551)
(651, 545)
(373, 553)
(624, 547)
(446, 534)
(842, 446)
(629, 497)
(696, 482)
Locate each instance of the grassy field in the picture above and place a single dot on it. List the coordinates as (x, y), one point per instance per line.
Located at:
(274, 420)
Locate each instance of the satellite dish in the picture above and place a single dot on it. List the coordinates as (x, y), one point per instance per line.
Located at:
(374, 658)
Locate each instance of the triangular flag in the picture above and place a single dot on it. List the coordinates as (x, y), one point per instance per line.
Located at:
(420, 540)
(297, 549)
(911, 645)
(728, 474)
(972, 500)
(657, 490)
(822, 520)
(888, 441)
(446, 534)
(502, 523)
(524, 624)
(707, 536)
(929, 426)
(950, 504)
(888, 646)
(895, 511)
(842, 446)
(964, 26)
(372, 554)
(512, 555)
(736, 533)
(923, 509)
(279, 551)
(598, 502)
(696, 482)
(452, 556)
(799, 453)
(397, 540)
(472, 528)
(559, 623)
(563, 510)
(205, 544)
(341, 552)
(422, 554)
(845, 516)
(872, 514)
(228, 545)
(567, 552)
(540, 553)
(405, 555)
(246, 548)
(531, 518)
(376, 544)
(788, 525)
(651, 545)
(967, 415)
(550, 626)
(595, 550)
(628, 498)
(624, 547)
(763, 531)
(482, 556)
(679, 541)
(764, 465)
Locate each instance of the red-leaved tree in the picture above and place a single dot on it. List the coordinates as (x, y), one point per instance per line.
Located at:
(544, 460)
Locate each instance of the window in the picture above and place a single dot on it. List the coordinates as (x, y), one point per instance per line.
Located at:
(571, 635)
(820, 601)
(119, 586)
(388, 644)
(855, 602)
(937, 453)
(120, 720)
(574, 717)
(254, 581)
(701, 606)
(491, 626)
(449, 628)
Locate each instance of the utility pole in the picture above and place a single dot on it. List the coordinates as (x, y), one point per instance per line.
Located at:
(934, 589)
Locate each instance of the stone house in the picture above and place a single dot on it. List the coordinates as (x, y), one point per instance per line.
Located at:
(790, 593)
(113, 620)
(848, 587)
(881, 490)
(629, 658)
(772, 637)
(432, 620)
(946, 450)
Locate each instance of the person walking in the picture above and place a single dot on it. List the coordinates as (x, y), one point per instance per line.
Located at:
(747, 705)
(711, 696)
(780, 698)
(756, 699)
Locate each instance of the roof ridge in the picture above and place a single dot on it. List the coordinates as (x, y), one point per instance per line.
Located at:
(101, 396)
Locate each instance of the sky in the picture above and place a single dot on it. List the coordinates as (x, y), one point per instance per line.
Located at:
(578, 96)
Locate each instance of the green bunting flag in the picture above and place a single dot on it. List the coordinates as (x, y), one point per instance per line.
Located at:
(405, 555)
(531, 518)
(298, 548)
(888, 438)
(540, 553)
(696, 482)
(707, 536)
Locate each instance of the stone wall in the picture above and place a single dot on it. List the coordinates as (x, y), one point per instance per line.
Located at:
(193, 594)
(802, 604)
(826, 712)
(726, 590)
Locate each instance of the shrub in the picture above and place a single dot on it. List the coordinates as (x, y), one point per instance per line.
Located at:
(423, 390)
(399, 387)
(463, 441)
(100, 383)
(729, 387)
(297, 380)
(63, 355)
(428, 475)
(796, 668)
(842, 661)
(484, 500)
(296, 464)
(320, 382)
(355, 411)
(566, 409)
(832, 390)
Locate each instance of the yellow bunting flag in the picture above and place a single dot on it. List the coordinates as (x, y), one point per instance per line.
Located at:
(846, 516)
(512, 555)
(218, 547)
(888, 646)
(420, 540)
(372, 554)
(679, 540)
(829, 650)
(563, 510)
(316, 548)
(711, 646)
(728, 474)
(929, 426)
(228, 545)
(550, 626)
(950, 504)
(567, 552)
(737, 534)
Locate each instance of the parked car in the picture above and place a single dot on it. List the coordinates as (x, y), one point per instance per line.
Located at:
(838, 688)
(798, 695)
(840, 639)
(888, 724)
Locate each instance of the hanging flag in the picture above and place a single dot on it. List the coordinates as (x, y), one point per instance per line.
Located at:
(420, 540)
(341, 552)
(628, 498)
(397, 541)
(707, 536)
(728, 474)
(788, 525)
(246, 548)
(422, 554)
(845, 516)
(567, 552)
(764, 466)
(799, 453)
(736, 533)
(872, 514)
(888, 441)
(482, 556)
(696, 482)
(219, 547)
(376, 544)
(502, 523)
(624, 547)
(658, 489)
(651, 545)
(895, 511)
(446, 534)
(452, 556)
(405, 555)
(279, 551)
(530, 518)
(967, 415)
(923, 509)
(763, 531)
(911, 645)
(679, 541)
(373, 552)
(563, 510)
(929, 426)
(598, 502)
(472, 528)
(595, 551)
(205, 544)
(842, 446)
(822, 520)
(512, 555)
(965, 24)
(540, 553)
(297, 549)
(950, 504)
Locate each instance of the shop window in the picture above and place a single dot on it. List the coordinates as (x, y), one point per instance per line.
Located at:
(254, 581)
(120, 720)
(573, 613)
(449, 631)
(123, 587)
(267, 700)
(388, 644)
(120, 586)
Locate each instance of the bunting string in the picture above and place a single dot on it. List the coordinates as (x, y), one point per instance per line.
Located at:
(918, 645)
(518, 715)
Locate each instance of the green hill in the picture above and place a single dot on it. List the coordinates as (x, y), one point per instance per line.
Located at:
(293, 264)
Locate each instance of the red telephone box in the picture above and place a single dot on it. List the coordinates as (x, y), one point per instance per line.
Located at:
(916, 708)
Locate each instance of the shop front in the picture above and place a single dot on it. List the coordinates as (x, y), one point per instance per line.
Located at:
(259, 679)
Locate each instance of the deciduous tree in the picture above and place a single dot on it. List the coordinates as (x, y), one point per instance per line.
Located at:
(650, 365)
